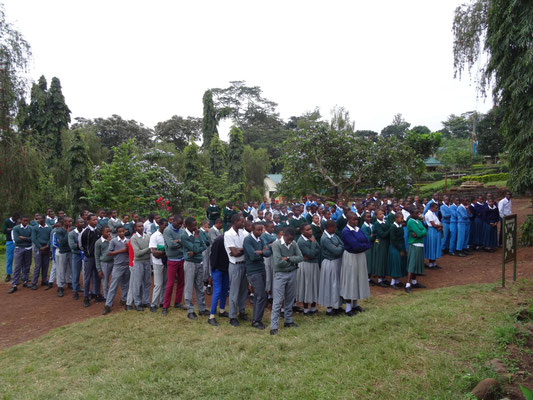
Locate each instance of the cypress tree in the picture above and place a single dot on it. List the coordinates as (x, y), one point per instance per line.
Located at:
(235, 157)
(209, 122)
(58, 115)
(79, 167)
(217, 156)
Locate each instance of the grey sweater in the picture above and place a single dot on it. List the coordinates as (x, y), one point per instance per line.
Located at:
(121, 258)
(141, 248)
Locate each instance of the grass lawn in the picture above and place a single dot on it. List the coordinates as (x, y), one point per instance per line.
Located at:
(428, 345)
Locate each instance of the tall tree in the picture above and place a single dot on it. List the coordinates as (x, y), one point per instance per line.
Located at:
(397, 129)
(79, 167)
(58, 115)
(458, 126)
(235, 163)
(179, 131)
(423, 144)
(210, 120)
(217, 156)
(500, 32)
(490, 139)
(256, 165)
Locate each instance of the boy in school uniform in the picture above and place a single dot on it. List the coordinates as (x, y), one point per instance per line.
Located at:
(216, 230)
(50, 219)
(128, 225)
(21, 234)
(219, 262)
(283, 215)
(140, 243)
(7, 228)
(228, 214)
(114, 223)
(505, 207)
(175, 261)
(213, 212)
(77, 256)
(40, 237)
(204, 236)
(87, 241)
(193, 247)
(118, 249)
(102, 220)
(53, 250)
(63, 253)
(254, 251)
(102, 260)
(159, 264)
(267, 238)
(286, 256)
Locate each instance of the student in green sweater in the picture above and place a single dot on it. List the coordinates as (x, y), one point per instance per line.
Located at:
(228, 213)
(40, 237)
(22, 254)
(254, 251)
(296, 222)
(286, 257)
(308, 274)
(380, 249)
(268, 237)
(332, 249)
(397, 258)
(103, 261)
(193, 247)
(368, 230)
(140, 243)
(204, 235)
(63, 253)
(415, 256)
(213, 212)
(114, 223)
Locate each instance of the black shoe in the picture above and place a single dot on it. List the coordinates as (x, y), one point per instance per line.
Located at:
(70, 285)
(180, 306)
(395, 287)
(258, 325)
(223, 315)
(107, 310)
(99, 298)
(331, 313)
(60, 292)
(290, 325)
(128, 308)
(34, 287)
(153, 309)
(75, 296)
(212, 322)
(86, 302)
(372, 282)
(358, 309)
(209, 290)
(204, 313)
(122, 302)
(43, 283)
(26, 285)
(139, 308)
(93, 296)
(273, 332)
(146, 305)
(192, 315)
(244, 317)
(408, 289)
(164, 312)
(49, 286)
(8, 278)
(460, 254)
(418, 286)
(383, 284)
(12, 290)
(234, 322)
(307, 314)
(467, 252)
(350, 313)
(297, 309)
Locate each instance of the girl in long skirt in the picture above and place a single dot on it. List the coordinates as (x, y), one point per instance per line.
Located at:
(308, 271)
(491, 217)
(331, 248)
(432, 249)
(367, 229)
(397, 259)
(354, 278)
(380, 250)
(415, 256)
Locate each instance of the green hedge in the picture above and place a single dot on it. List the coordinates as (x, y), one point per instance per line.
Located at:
(487, 178)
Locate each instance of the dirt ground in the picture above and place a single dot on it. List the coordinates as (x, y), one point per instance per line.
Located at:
(28, 314)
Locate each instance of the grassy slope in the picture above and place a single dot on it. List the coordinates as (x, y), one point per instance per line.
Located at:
(430, 345)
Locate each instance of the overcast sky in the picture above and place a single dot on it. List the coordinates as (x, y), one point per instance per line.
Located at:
(150, 60)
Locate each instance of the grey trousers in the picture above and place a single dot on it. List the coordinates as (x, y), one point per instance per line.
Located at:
(206, 264)
(22, 261)
(284, 288)
(238, 289)
(42, 261)
(258, 284)
(107, 268)
(62, 263)
(158, 293)
(52, 274)
(269, 274)
(141, 282)
(129, 299)
(121, 275)
(194, 279)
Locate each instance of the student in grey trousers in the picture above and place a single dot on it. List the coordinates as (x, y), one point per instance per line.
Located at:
(103, 261)
(140, 243)
(157, 248)
(22, 254)
(118, 249)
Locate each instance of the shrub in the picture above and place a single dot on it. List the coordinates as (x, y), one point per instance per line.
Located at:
(526, 232)
(486, 178)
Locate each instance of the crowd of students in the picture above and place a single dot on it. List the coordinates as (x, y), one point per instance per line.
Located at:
(302, 252)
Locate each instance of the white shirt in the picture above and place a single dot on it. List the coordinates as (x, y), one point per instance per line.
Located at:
(148, 226)
(353, 229)
(155, 240)
(406, 214)
(234, 239)
(431, 217)
(368, 226)
(285, 244)
(253, 212)
(505, 207)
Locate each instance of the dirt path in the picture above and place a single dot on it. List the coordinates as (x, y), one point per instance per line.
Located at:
(28, 314)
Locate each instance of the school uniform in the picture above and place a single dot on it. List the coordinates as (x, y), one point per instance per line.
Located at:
(317, 231)
(157, 241)
(331, 250)
(238, 285)
(428, 205)
(228, 214)
(380, 249)
(40, 237)
(309, 217)
(22, 253)
(284, 286)
(463, 223)
(7, 228)
(308, 272)
(52, 245)
(102, 221)
(445, 214)
(354, 272)
(142, 272)
(256, 274)
(283, 217)
(452, 243)
(477, 225)
(219, 262)
(63, 256)
(470, 227)
(341, 223)
(415, 256)
(76, 258)
(175, 261)
(150, 226)
(433, 243)
(490, 233)
(121, 271)
(391, 217)
(213, 213)
(505, 207)
(267, 239)
(406, 215)
(397, 263)
(50, 222)
(103, 261)
(128, 229)
(204, 235)
(114, 224)
(87, 241)
(296, 223)
(368, 231)
(193, 270)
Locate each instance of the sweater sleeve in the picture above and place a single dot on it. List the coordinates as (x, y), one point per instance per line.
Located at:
(169, 241)
(249, 250)
(297, 258)
(137, 251)
(98, 254)
(276, 254)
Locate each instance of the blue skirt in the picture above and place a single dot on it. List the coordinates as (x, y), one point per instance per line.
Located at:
(477, 232)
(406, 238)
(433, 244)
(490, 235)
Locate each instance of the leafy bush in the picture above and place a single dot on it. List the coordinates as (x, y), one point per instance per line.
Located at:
(526, 232)
(486, 178)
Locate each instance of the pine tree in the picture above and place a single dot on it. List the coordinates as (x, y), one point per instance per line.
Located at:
(235, 164)
(209, 122)
(58, 115)
(217, 156)
(79, 167)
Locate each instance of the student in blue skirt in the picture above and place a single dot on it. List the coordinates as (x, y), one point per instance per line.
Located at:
(452, 249)
(445, 215)
(477, 226)
(490, 218)
(463, 224)
(432, 246)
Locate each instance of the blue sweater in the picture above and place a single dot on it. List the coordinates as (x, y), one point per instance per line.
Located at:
(354, 242)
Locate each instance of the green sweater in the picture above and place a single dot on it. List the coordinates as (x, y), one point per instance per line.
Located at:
(194, 244)
(331, 247)
(114, 225)
(396, 237)
(25, 232)
(417, 227)
(213, 213)
(254, 262)
(310, 250)
(296, 224)
(341, 223)
(280, 250)
(7, 227)
(40, 236)
(140, 246)
(73, 240)
(101, 250)
(173, 250)
(62, 241)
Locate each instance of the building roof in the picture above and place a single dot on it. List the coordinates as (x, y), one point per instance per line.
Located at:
(275, 177)
(432, 162)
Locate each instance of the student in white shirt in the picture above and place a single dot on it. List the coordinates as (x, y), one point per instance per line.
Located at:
(157, 247)
(505, 208)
